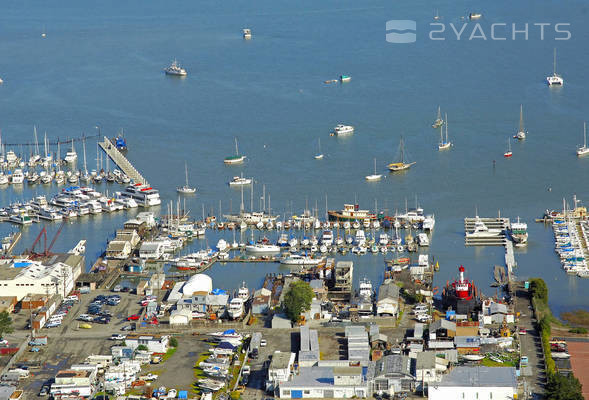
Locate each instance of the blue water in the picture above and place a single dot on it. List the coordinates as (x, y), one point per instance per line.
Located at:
(101, 63)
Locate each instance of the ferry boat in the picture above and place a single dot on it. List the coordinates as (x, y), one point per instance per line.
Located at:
(145, 196)
(519, 232)
(343, 130)
(236, 308)
(554, 79)
(237, 158)
(351, 212)
(175, 69)
(240, 181)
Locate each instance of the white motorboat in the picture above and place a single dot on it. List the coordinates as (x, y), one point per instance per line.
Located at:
(222, 245)
(343, 130)
(360, 238)
(365, 289)
(374, 177)
(240, 181)
(428, 223)
(175, 69)
(383, 239)
(474, 16)
(555, 79)
(423, 240)
(262, 248)
(296, 259)
(243, 292)
(473, 357)
(481, 230)
(247, 33)
(144, 195)
(584, 150)
(18, 177)
(327, 238)
(236, 308)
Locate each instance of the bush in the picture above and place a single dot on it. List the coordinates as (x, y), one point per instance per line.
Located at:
(142, 347)
(539, 289)
(578, 330)
(174, 342)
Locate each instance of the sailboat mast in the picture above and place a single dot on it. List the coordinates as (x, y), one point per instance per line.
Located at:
(236, 148)
(554, 63)
(186, 172)
(84, 149)
(584, 134)
(446, 118)
(521, 118)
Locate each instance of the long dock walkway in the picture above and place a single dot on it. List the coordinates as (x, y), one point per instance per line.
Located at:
(125, 165)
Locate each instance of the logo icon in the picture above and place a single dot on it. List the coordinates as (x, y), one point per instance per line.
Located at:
(401, 31)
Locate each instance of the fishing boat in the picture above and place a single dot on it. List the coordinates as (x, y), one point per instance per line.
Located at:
(521, 133)
(444, 144)
(345, 78)
(508, 153)
(343, 130)
(240, 181)
(583, 151)
(319, 155)
(554, 79)
(375, 176)
(186, 189)
(439, 121)
(401, 165)
(175, 69)
(71, 156)
(247, 33)
(237, 158)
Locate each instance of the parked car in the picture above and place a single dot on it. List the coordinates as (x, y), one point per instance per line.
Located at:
(127, 328)
(44, 391)
(117, 288)
(263, 343)
(52, 324)
(117, 336)
(85, 317)
(148, 377)
(34, 349)
(133, 317)
(523, 331)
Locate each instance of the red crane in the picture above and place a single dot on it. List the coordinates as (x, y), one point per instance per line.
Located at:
(46, 250)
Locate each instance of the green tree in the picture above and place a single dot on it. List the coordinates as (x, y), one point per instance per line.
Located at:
(174, 342)
(560, 387)
(297, 300)
(5, 323)
(142, 347)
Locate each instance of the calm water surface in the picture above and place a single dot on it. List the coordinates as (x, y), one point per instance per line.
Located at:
(100, 65)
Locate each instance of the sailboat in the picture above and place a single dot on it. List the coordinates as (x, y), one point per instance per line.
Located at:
(437, 16)
(375, 176)
(401, 165)
(508, 153)
(521, 133)
(186, 189)
(85, 175)
(236, 159)
(44, 33)
(554, 79)
(583, 151)
(319, 154)
(444, 144)
(439, 121)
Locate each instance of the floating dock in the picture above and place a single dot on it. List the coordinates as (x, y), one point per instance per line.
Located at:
(121, 161)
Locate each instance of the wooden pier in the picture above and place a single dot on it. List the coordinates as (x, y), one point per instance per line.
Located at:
(121, 161)
(14, 240)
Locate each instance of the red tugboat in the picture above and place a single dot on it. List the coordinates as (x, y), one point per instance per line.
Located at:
(462, 295)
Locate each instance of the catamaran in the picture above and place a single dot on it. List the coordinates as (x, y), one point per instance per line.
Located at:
(508, 153)
(439, 121)
(554, 79)
(186, 189)
(319, 154)
(401, 165)
(521, 133)
(444, 144)
(375, 176)
(237, 158)
(583, 151)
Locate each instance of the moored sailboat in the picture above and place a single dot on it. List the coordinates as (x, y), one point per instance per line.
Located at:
(186, 189)
(508, 153)
(375, 176)
(439, 121)
(521, 133)
(237, 158)
(583, 151)
(319, 154)
(401, 165)
(444, 144)
(554, 79)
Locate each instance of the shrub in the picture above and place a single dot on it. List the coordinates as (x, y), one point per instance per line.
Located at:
(578, 330)
(174, 342)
